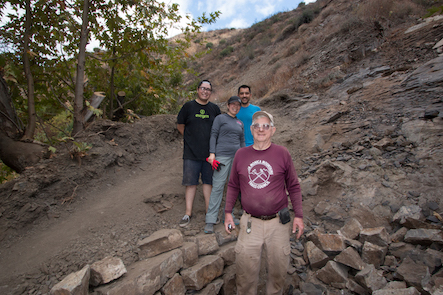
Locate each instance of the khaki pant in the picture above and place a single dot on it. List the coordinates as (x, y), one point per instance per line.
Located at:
(272, 236)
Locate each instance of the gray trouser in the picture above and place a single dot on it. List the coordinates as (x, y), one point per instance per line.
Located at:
(218, 185)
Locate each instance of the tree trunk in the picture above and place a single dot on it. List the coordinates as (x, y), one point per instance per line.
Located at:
(30, 128)
(119, 112)
(78, 98)
(14, 153)
(111, 93)
(96, 100)
(9, 122)
(111, 86)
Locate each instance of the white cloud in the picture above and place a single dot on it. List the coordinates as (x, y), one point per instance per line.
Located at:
(229, 9)
(238, 14)
(238, 24)
(200, 5)
(266, 9)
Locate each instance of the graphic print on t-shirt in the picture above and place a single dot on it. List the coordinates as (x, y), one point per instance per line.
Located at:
(259, 173)
(202, 114)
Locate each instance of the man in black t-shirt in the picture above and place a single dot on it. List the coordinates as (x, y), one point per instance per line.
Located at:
(194, 121)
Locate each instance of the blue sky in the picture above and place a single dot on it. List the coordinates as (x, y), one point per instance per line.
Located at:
(238, 13)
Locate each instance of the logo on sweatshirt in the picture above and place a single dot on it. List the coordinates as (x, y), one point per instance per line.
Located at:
(259, 172)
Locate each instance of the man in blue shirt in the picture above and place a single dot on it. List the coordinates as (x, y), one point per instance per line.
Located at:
(246, 111)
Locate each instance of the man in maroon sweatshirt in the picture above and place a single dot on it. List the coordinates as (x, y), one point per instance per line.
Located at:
(264, 174)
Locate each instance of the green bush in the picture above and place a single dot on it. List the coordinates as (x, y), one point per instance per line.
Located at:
(222, 41)
(225, 52)
(275, 18)
(306, 17)
(209, 45)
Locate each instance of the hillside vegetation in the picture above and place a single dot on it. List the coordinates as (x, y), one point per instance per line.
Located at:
(308, 49)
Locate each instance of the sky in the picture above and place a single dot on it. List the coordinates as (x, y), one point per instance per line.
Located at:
(236, 14)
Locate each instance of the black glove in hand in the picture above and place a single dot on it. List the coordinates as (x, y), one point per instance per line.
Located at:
(219, 166)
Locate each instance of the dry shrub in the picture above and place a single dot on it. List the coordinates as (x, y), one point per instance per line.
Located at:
(350, 24)
(302, 58)
(273, 60)
(313, 39)
(244, 62)
(303, 28)
(403, 9)
(275, 68)
(292, 49)
(375, 9)
(259, 51)
(260, 87)
(328, 78)
(326, 12)
(287, 31)
(281, 77)
(427, 3)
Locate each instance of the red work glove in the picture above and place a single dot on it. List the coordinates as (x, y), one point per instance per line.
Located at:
(215, 164)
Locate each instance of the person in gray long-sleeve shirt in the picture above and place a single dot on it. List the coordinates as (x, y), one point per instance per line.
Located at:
(227, 136)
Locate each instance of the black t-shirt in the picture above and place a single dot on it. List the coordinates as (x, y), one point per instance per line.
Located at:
(198, 123)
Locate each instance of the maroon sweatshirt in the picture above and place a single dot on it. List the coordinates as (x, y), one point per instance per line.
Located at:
(264, 179)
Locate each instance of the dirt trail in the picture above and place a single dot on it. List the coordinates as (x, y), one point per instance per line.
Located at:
(113, 209)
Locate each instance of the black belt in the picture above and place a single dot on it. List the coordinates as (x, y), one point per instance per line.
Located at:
(265, 217)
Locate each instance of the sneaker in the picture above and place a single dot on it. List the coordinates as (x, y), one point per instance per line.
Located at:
(185, 220)
(209, 228)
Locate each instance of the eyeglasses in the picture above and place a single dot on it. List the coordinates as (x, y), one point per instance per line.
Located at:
(205, 89)
(257, 126)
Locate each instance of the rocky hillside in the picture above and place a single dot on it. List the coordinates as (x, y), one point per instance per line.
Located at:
(308, 49)
(355, 87)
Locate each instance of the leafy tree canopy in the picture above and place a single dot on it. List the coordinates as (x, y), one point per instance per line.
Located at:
(135, 56)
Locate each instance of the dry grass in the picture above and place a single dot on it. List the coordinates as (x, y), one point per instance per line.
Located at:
(281, 77)
(406, 8)
(292, 48)
(328, 78)
(392, 10)
(302, 58)
(326, 12)
(375, 9)
(260, 87)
